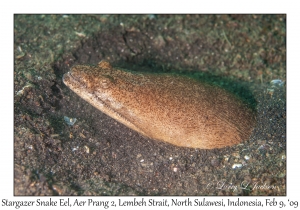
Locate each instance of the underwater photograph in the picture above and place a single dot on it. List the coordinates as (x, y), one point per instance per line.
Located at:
(149, 104)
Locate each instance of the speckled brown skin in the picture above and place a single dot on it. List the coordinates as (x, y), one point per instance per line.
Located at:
(166, 107)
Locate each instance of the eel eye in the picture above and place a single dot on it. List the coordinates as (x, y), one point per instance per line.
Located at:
(106, 81)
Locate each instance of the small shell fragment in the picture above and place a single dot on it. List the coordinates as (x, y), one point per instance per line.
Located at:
(70, 121)
(80, 34)
(20, 92)
(86, 149)
(75, 148)
(237, 165)
(276, 82)
(246, 157)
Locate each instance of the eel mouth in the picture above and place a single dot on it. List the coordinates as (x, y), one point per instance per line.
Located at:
(81, 82)
(81, 88)
(73, 82)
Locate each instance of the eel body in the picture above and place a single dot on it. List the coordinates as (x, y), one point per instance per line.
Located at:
(172, 108)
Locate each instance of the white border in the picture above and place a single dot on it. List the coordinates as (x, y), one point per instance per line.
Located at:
(153, 6)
